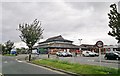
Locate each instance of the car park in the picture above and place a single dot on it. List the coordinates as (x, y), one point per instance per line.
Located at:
(112, 56)
(88, 54)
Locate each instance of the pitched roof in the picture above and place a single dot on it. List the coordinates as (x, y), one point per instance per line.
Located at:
(56, 38)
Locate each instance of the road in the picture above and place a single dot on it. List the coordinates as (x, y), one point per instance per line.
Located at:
(12, 66)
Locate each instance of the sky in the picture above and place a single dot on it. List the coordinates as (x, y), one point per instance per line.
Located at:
(73, 20)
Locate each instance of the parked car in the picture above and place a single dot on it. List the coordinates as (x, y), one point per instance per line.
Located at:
(88, 54)
(96, 54)
(63, 54)
(117, 52)
(13, 52)
(69, 54)
(112, 56)
(59, 53)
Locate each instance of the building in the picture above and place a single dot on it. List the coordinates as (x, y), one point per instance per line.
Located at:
(57, 43)
(87, 47)
(94, 48)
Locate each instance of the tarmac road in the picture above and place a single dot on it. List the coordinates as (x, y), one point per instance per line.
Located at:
(10, 67)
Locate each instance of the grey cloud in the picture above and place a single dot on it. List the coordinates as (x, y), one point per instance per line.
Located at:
(88, 19)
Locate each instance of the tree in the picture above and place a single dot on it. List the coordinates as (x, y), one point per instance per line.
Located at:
(30, 34)
(9, 45)
(2, 48)
(114, 22)
(18, 50)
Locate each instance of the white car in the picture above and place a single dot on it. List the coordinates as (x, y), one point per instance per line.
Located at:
(88, 53)
(64, 54)
(59, 53)
(69, 54)
(96, 54)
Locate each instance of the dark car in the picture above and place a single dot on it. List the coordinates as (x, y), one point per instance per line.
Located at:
(112, 56)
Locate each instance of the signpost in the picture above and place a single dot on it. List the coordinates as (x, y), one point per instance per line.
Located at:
(99, 44)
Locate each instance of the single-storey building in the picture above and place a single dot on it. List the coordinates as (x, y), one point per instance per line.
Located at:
(57, 43)
(94, 48)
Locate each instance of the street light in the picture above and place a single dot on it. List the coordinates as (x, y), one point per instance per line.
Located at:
(80, 43)
(48, 50)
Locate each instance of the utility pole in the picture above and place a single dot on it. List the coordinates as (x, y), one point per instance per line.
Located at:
(80, 43)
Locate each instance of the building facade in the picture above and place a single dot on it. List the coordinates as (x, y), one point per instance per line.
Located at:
(106, 48)
(57, 43)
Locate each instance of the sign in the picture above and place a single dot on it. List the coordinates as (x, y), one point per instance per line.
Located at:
(99, 44)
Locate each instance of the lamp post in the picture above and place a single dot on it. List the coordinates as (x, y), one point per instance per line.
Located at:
(80, 43)
(48, 50)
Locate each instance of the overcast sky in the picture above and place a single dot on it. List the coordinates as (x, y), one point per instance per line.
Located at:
(73, 20)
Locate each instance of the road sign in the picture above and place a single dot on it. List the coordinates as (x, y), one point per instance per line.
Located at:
(99, 44)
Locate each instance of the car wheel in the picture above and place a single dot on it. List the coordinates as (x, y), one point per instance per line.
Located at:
(83, 55)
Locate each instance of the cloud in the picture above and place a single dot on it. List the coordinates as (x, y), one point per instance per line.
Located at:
(73, 20)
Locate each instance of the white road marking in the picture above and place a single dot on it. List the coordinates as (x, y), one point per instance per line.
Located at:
(20, 61)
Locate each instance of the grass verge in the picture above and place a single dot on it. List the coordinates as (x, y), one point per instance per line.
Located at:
(80, 69)
(9, 55)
